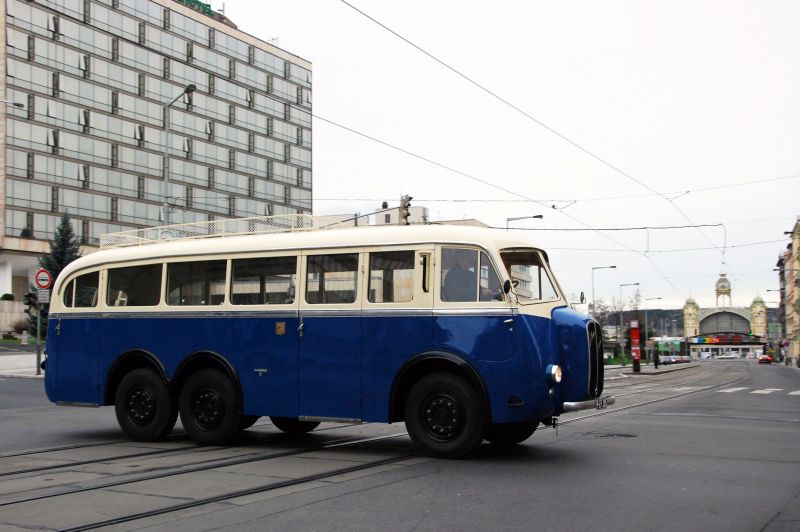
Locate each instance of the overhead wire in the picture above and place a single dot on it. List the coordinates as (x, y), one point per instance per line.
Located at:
(541, 124)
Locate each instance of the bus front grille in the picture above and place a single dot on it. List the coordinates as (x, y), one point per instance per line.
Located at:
(595, 359)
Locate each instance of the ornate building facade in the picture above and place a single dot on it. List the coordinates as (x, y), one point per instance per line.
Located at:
(725, 329)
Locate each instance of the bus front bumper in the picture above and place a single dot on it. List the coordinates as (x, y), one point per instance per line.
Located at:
(598, 404)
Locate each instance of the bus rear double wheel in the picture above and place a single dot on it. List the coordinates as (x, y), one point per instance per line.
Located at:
(210, 407)
(444, 416)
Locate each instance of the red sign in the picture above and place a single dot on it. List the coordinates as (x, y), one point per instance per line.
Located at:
(43, 279)
(636, 353)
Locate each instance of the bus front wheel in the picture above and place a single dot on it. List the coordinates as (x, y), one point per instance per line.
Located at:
(444, 416)
(145, 408)
(210, 407)
(291, 425)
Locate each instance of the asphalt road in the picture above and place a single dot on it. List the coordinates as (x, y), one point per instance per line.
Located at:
(713, 447)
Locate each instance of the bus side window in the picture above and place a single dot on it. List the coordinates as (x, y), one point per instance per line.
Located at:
(391, 276)
(134, 286)
(196, 283)
(490, 283)
(332, 278)
(263, 281)
(68, 294)
(86, 288)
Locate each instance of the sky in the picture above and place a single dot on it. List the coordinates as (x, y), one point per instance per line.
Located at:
(617, 114)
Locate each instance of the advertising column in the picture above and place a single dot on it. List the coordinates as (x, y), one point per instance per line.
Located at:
(636, 352)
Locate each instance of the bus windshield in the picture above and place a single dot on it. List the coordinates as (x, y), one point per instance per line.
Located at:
(528, 275)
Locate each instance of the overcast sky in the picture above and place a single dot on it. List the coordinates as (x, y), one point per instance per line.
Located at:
(680, 96)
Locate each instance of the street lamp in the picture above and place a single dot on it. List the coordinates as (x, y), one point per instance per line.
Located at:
(165, 166)
(593, 269)
(619, 334)
(539, 216)
(646, 329)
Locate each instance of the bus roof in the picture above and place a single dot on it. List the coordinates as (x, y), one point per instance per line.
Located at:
(364, 236)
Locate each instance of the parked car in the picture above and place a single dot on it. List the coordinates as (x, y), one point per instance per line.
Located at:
(765, 359)
(667, 359)
(727, 356)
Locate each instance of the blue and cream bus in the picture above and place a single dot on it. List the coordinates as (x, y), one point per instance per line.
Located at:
(461, 332)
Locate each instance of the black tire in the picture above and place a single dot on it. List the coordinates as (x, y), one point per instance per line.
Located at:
(294, 426)
(211, 410)
(247, 421)
(444, 416)
(506, 434)
(145, 408)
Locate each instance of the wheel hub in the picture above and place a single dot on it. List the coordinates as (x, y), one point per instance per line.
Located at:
(208, 409)
(443, 417)
(140, 406)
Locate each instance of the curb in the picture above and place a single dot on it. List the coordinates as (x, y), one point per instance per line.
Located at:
(20, 376)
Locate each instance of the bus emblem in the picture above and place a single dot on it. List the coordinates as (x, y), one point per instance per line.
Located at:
(280, 328)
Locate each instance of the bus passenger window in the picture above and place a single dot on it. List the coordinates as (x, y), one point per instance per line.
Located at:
(86, 287)
(391, 277)
(459, 282)
(134, 286)
(68, 294)
(263, 281)
(196, 283)
(332, 278)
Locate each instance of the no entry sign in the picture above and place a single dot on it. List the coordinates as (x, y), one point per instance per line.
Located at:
(43, 279)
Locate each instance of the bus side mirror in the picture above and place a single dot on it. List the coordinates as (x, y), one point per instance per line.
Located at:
(507, 286)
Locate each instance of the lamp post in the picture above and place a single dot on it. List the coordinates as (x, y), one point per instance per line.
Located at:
(619, 334)
(539, 216)
(165, 166)
(646, 328)
(593, 269)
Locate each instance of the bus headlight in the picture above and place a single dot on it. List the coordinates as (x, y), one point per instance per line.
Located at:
(554, 372)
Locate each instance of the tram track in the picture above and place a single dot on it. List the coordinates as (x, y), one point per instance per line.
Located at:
(191, 448)
(205, 466)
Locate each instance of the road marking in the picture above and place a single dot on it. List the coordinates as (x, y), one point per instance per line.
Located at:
(795, 393)
(731, 390)
(767, 390)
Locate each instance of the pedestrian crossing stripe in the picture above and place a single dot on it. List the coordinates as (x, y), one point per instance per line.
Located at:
(795, 393)
(767, 390)
(731, 390)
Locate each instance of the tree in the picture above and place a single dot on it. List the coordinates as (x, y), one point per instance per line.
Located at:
(64, 248)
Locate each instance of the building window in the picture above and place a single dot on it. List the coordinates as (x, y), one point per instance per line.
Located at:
(54, 199)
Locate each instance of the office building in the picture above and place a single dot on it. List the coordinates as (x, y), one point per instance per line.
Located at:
(86, 84)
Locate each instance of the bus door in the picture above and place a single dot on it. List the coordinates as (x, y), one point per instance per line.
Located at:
(329, 337)
(473, 316)
(264, 332)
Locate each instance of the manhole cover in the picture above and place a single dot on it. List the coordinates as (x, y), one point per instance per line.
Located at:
(611, 435)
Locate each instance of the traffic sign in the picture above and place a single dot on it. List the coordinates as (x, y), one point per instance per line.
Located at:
(44, 296)
(43, 279)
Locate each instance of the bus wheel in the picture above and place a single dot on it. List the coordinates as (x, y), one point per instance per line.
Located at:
(210, 407)
(247, 421)
(146, 411)
(291, 425)
(444, 416)
(503, 434)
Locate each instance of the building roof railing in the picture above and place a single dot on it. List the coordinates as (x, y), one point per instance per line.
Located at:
(284, 223)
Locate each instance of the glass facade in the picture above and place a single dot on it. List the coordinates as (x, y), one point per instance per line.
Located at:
(94, 77)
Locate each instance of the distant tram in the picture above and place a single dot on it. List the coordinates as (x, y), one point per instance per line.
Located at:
(461, 332)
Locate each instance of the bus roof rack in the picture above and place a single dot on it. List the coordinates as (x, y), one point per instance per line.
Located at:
(283, 223)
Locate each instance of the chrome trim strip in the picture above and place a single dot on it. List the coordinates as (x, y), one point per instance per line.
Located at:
(330, 419)
(69, 403)
(286, 313)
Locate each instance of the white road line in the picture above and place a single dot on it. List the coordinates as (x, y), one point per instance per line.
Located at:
(795, 393)
(731, 390)
(767, 390)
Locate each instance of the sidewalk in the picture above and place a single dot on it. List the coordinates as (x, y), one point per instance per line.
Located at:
(18, 364)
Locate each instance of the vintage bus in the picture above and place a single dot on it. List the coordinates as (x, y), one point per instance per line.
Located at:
(461, 332)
